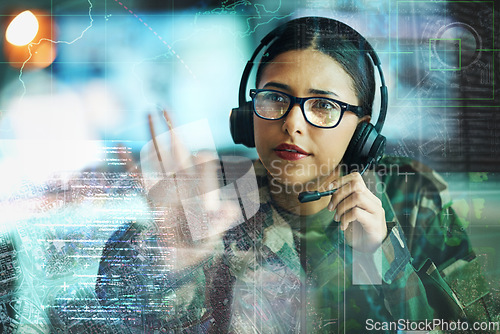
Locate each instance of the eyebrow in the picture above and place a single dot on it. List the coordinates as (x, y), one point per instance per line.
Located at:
(288, 88)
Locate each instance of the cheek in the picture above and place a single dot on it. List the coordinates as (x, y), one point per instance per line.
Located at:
(335, 147)
(263, 134)
(257, 133)
(266, 136)
(332, 147)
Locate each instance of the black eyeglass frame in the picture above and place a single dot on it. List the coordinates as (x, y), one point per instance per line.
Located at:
(357, 110)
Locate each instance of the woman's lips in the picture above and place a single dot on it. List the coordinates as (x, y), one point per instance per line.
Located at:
(290, 152)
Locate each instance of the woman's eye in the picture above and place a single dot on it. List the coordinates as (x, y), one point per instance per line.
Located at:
(274, 97)
(325, 105)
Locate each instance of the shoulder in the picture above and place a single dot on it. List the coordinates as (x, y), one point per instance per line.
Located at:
(407, 176)
(393, 166)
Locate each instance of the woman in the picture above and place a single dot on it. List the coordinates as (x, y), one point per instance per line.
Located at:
(342, 263)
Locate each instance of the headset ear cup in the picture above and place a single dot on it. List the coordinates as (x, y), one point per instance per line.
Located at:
(377, 150)
(351, 154)
(241, 125)
(365, 146)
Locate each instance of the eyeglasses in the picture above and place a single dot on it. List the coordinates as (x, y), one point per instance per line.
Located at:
(321, 112)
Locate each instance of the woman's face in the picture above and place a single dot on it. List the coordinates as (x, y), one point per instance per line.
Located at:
(304, 73)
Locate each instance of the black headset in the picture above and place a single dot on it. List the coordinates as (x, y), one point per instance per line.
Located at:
(367, 144)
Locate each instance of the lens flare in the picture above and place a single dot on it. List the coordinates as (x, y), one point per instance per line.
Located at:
(22, 29)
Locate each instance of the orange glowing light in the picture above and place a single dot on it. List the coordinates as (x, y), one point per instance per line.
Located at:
(22, 29)
(30, 37)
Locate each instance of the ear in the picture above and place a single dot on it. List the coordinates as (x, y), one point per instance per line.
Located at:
(366, 118)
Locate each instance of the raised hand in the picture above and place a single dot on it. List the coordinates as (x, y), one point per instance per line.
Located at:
(360, 213)
(188, 200)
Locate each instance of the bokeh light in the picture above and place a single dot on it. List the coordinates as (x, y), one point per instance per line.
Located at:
(30, 40)
(23, 29)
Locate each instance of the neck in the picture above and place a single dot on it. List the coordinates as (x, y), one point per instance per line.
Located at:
(286, 197)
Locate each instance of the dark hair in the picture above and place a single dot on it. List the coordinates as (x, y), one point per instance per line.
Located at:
(334, 39)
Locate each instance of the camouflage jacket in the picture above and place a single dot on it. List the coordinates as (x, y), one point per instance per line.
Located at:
(280, 273)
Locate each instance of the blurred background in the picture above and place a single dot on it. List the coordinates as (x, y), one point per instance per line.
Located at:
(79, 78)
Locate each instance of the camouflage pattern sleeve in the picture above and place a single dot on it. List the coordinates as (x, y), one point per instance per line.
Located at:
(404, 294)
(442, 280)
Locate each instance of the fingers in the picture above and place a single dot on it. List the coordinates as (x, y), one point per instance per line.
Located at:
(209, 189)
(360, 213)
(351, 185)
(345, 186)
(356, 214)
(178, 151)
(353, 201)
(193, 176)
(361, 198)
(182, 177)
(196, 181)
(168, 120)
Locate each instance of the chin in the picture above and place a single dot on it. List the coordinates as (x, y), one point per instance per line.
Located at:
(296, 173)
(295, 184)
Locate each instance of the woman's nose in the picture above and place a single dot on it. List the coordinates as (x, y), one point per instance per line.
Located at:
(295, 121)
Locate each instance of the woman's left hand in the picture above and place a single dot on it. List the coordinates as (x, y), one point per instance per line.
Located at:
(360, 213)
